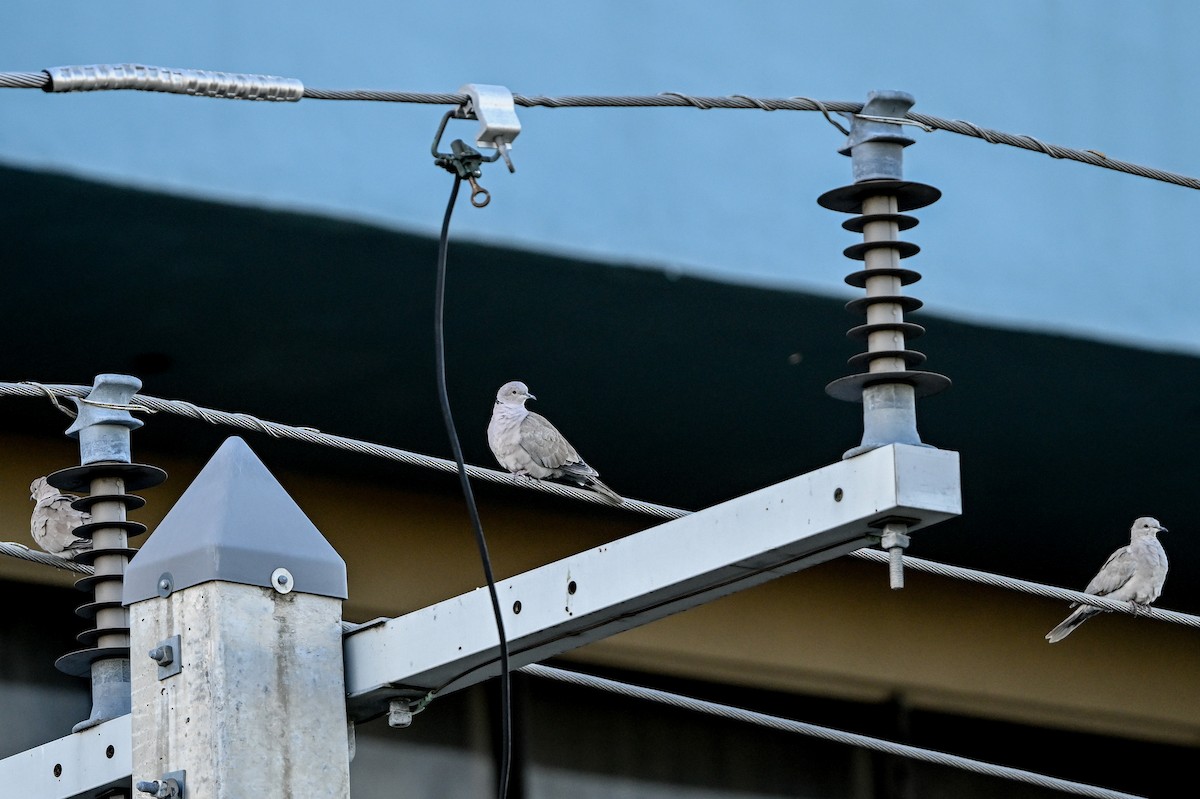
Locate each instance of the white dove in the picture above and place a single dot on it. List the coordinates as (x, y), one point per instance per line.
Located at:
(526, 444)
(54, 520)
(1135, 573)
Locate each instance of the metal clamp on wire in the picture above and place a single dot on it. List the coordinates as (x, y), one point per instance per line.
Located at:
(494, 108)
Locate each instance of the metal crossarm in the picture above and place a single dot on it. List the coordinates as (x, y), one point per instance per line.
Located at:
(649, 575)
(82, 765)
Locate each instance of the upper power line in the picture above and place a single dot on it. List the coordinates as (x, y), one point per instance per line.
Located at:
(244, 86)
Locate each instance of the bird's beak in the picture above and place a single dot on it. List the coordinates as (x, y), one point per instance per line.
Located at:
(1162, 529)
(529, 396)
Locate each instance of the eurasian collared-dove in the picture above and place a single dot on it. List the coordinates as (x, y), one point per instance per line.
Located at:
(54, 519)
(526, 444)
(1134, 573)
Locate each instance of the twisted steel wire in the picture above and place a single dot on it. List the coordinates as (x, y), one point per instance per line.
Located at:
(41, 80)
(15, 550)
(731, 713)
(24, 80)
(312, 436)
(1027, 587)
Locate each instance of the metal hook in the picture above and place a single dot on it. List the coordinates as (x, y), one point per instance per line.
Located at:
(477, 191)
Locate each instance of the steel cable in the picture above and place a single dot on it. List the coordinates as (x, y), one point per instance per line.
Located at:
(22, 552)
(41, 80)
(312, 436)
(731, 713)
(1027, 587)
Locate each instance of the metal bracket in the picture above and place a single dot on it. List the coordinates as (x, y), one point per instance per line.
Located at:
(493, 106)
(464, 161)
(170, 786)
(400, 714)
(167, 656)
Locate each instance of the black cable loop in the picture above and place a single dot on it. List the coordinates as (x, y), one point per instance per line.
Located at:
(469, 496)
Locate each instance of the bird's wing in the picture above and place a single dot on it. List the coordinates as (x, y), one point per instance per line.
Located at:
(545, 444)
(60, 504)
(78, 545)
(1116, 572)
(38, 526)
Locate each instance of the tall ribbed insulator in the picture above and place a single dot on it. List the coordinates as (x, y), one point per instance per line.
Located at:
(888, 359)
(102, 425)
(106, 656)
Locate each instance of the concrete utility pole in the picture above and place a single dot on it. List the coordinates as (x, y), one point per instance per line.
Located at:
(236, 608)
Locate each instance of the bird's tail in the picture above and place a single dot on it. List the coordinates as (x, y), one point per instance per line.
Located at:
(76, 547)
(600, 488)
(1068, 625)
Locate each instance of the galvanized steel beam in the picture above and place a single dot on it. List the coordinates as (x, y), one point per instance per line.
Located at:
(635, 580)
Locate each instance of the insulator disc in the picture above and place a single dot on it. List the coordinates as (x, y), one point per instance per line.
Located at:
(911, 357)
(858, 252)
(89, 555)
(907, 328)
(90, 610)
(90, 637)
(859, 279)
(86, 583)
(856, 224)
(909, 195)
(137, 476)
(79, 664)
(850, 388)
(88, 530)
(131, 501)
(862, 303)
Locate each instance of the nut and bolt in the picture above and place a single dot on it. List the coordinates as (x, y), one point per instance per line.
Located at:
(160, 789)
(163, 655)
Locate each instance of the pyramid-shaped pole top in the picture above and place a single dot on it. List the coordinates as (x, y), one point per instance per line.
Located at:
(235, 523)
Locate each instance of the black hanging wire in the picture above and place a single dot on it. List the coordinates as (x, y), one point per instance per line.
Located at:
(472, 510)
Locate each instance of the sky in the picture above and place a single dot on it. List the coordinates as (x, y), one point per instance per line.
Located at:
(1018, 239)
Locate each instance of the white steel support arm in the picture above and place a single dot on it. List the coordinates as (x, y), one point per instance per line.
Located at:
(669, 568)
(82, 765)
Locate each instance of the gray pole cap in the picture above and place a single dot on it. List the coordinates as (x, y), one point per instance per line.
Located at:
(235, 523)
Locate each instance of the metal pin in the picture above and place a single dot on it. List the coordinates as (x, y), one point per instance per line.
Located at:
(502, 148)
(895, 540)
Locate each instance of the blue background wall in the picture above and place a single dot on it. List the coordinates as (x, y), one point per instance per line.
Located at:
(1019, 239)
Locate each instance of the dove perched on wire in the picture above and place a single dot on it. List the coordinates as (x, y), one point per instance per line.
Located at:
(526, 444)
(53, 521)
(1134, 573)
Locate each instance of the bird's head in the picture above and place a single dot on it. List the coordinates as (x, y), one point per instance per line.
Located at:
(513, 393)
(1147, 526)
(39, 487)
